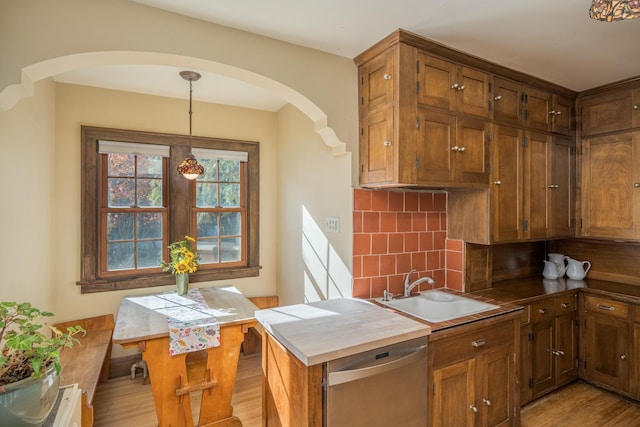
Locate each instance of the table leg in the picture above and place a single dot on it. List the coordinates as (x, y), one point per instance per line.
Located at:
(169, 373)
(165, 373)
(216, 409)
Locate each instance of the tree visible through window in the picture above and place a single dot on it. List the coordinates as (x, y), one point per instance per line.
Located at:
(135, 204)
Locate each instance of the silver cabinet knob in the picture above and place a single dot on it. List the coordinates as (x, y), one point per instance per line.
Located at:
(486, 402)
(387, 143)
(455, 86)
(497, 98)
(543, 310)
(552, 112)
(636, 184)
(623, 357)
(552, 186)
(565, 305)
(498, 182)
(473, 408)
(461, 87)
(636, 107)
(461, 149)
(387, 77)
(455, 148)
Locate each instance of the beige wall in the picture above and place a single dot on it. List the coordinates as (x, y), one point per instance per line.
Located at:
(69, 34)
(312, 185)
(26, 199)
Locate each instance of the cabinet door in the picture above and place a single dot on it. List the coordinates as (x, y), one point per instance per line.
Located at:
(471, 159)
(538, 107)
(436, 80)
(537, 158)
(506, 184)
(526, 373)
(607, 351)
(561, 114)
(495, 399)
(542, 357)
(566, 348)
(507, 101)
(454, 392)
(472, 92)
(434, 154)
(377, 148)
(610, 186)
(561, 187)
(611, 111)
(376, 82)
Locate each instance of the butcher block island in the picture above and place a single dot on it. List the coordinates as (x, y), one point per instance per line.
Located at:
(351, 347)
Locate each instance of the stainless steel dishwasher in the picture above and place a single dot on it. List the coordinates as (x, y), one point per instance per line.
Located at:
(383, 387)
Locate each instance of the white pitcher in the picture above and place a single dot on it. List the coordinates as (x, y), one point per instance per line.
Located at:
(560, 261)
(550, 270)
(576, 269)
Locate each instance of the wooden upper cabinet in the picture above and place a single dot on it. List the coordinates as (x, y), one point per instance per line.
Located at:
(377, 147)
(507, 101)
(611, 186)
(454, 87)
(561, 187)
(561, 113)
(537, 109)
(377, 78)
(611, 111)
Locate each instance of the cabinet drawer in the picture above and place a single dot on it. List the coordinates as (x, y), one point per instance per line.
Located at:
(564, 304)
(637, 313)
(606, 306)
(468, 345)
(543, 310)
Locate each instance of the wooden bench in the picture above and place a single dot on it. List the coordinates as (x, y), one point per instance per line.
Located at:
(87, 363)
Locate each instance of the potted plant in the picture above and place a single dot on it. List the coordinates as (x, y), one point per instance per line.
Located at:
(29, 364)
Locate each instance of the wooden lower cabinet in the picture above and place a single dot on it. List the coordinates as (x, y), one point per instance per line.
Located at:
(473, 374)
(606, 343)
(550, 346)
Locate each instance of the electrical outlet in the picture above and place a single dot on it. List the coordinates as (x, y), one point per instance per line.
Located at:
(331, 224)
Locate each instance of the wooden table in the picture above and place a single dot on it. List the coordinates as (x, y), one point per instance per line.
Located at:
(174, 377)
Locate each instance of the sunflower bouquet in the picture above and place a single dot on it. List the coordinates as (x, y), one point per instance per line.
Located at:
(184, 259)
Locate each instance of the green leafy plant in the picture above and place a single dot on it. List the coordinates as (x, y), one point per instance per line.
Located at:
(25, 351)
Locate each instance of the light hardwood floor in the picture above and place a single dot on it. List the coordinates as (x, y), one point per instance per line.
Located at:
(122, 402)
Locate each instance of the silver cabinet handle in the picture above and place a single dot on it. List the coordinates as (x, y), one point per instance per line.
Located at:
(552, 186)
(461, 149)
(559, 353)
(473, 408)
(636, 184)
(387, 143)
(498, 182)
(605, 307)
(623, 357)
(455, 86)
(552, 112)
(565, 305)
(486, 402)
(497, 98)
(543, 310)
(461, 87)
(636, 107)
(387, 77)
(478, 343)
(455, 148)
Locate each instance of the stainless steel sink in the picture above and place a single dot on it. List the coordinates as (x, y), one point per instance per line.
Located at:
(437, 306)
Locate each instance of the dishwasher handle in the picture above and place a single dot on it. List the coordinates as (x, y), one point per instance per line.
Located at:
(341, 377)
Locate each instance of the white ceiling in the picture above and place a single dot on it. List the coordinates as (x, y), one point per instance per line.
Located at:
(551, 39)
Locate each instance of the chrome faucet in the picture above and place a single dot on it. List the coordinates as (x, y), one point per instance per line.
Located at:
(409, 285)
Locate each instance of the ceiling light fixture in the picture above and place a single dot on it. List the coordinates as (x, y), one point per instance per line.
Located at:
(614, 10)
(190, 168)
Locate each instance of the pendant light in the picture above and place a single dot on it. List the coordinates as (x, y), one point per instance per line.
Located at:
(614, 10)
(190, 168)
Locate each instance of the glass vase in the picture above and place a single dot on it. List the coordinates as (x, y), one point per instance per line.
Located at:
(182, 283)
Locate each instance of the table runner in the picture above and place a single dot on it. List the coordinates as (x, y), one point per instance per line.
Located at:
(192, 327)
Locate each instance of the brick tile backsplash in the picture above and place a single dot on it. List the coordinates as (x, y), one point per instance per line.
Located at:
(396, 231)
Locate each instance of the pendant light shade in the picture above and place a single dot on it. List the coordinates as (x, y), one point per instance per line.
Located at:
(614, 10)
(189, 167)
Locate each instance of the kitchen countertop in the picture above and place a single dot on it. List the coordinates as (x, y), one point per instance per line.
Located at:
(321, 331)
(525, 290)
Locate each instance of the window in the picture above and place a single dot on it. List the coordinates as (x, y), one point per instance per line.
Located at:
(134, 204)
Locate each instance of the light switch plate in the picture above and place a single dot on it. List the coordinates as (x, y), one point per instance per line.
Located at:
(331, 224)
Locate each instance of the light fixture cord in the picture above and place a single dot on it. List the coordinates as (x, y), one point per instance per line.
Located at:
(190, 110)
